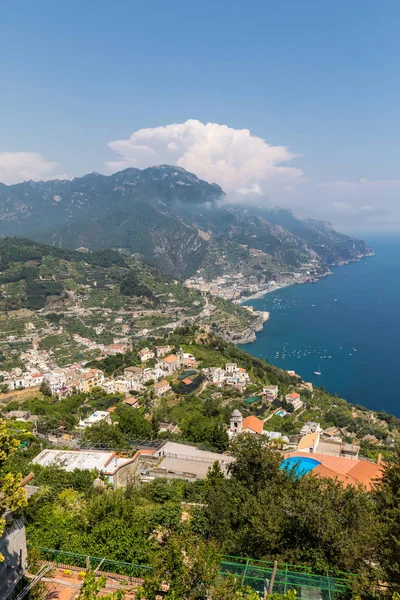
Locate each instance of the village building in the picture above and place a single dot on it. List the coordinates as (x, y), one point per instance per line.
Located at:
(294, 399)
(309, 442)
(145, 354)
(172, 363)
(132, 402)
(180, 461)
(270, 392)
(161, 388)
(118, 471)
(250, 424)
(345, 470)
(253, 425)
(96, 417)
(310, 427)
(88, 381)
(134, 374)
(161, 351)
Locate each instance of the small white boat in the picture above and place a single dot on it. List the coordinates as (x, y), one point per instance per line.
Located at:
(317, 372)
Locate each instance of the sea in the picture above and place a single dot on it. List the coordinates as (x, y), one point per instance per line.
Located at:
(346, 327)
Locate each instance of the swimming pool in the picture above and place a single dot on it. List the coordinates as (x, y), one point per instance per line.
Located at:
(300, 465)
(280, 413)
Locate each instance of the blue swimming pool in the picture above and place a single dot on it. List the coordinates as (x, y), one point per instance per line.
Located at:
(300, 465)
(280, 413)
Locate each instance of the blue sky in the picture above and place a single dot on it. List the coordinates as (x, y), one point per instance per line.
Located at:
(317, 77)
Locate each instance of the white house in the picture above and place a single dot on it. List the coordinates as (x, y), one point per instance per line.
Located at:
(270, 392)
(145, 354)
(96, 417)
(161, 388)
(294, 399)
(310, 427)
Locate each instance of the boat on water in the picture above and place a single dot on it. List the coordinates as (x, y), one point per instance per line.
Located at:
(318, 372)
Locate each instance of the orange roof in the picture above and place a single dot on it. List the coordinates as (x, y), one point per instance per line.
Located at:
(322, 471)
(131, 401)
(162, 384)
(111, 409)
(294, 395)
(349, 471)
(308, 441)
(366, 473)
(171, 358)
(37, 375)
(254, 424)
(242, 370)
(187, 381)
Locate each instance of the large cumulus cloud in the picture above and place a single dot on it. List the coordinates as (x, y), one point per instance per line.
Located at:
(233, 158)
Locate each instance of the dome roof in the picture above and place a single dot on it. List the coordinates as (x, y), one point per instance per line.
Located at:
(236, 413)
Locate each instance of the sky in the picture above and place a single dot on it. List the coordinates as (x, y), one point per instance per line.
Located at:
(291, 103)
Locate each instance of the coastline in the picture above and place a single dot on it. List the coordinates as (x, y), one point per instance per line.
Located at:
(280, 286)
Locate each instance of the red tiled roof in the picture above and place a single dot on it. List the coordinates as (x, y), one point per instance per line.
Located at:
(349, 471)
(170, 359)
(253, 423)
(131, 401)
(161, 384)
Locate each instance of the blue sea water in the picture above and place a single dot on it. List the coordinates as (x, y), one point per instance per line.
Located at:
(347, 326)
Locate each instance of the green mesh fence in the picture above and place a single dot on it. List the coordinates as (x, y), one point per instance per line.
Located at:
(253, 573)
(64, 559)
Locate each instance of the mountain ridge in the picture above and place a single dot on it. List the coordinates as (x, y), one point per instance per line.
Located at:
(159, 213)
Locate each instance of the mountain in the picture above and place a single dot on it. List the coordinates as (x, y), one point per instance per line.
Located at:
(169, 217)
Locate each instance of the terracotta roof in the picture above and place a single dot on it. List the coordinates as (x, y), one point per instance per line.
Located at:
(294, 395)
(111, 409)
(131, 401)
(253, 423)
(162, 384)
(366, 473)
(170, 359)
(308, 441)
(187, 381)
(349, 471)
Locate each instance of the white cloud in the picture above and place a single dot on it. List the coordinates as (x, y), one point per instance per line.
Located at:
(22, 166)
(233, 158)
(361, 186)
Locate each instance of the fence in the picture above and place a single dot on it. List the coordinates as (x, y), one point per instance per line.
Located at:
(253, 573)
(307, 585)
(65, 560)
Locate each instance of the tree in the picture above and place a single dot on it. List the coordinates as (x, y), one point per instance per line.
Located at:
(45, 389)
(256, 464)
(133, 424)
(186, 565)
(12, 496)
(92, 587)
(387, 496)
(104, 435)
(231, 588)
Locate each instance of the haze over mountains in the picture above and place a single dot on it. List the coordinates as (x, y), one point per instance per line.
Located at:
(170, 217)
